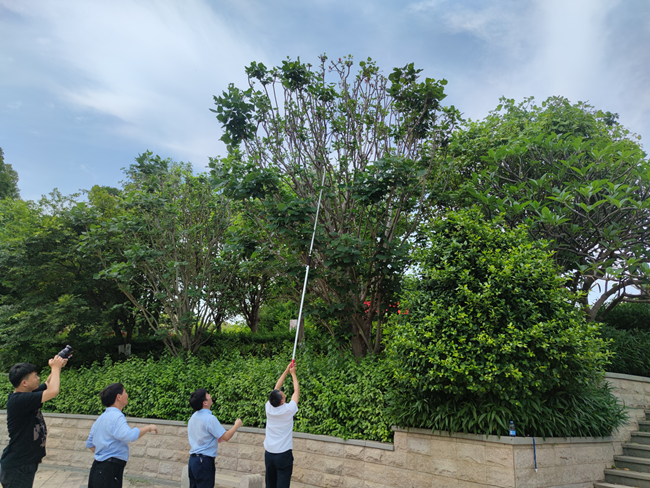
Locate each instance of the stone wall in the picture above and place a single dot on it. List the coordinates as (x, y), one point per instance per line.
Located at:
(416, 459)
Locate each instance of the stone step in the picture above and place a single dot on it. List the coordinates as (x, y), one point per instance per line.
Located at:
(641, 437)
(638, 464)
(604, 484)
(636, 450)
(647, 414)
(627, 478)
(644, 426)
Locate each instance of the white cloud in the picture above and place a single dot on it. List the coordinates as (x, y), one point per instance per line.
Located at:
(151, 65)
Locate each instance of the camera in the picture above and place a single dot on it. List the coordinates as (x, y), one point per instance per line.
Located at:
(66, 352)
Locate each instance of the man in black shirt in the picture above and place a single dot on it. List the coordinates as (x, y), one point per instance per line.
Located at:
(27, 431)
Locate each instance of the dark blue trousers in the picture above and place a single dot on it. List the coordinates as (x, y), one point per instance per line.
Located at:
(18, 476)
(279, 468)
(201, 471)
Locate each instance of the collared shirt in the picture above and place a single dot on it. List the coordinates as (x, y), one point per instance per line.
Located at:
(110, 436)
(203, 432)
(279, 427)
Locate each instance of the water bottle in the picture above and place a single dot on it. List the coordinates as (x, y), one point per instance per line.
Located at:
(511, 429)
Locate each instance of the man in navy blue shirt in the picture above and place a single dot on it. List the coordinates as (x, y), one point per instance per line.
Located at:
(204, 432)
(109, 439)
(25, 423)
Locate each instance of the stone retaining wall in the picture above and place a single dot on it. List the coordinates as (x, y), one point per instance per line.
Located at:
(416, 459)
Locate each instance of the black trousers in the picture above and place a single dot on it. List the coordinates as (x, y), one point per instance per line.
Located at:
(18, 476)
(279, 468)
(201, 471)
(106, 474)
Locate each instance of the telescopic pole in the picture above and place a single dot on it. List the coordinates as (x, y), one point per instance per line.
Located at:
(304, 286)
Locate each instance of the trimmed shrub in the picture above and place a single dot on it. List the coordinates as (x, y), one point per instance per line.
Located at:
(631, 350)
(339, 396)
(492, 335)
(629, 316)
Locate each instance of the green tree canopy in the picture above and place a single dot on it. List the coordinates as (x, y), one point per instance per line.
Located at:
(165, 246)
(371, 139)
(8, 179)
(577, 178)
(492, 336)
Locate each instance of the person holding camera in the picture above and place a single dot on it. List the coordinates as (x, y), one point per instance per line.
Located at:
(109, 439)
(278, 443)
(205, 432)
(25, 423)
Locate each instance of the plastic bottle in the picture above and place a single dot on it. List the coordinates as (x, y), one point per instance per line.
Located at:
(511, 429)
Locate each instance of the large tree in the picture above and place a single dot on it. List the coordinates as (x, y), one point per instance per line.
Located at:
(577, 178)
(166, 245)
(8, 179)
(48, 291)
(372, 140)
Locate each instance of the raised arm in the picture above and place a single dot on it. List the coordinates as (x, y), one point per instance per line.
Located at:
(280, 382)
(296, 386)
(231, 432)
(54, 380)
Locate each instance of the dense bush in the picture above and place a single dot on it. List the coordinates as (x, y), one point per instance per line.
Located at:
(629, 316)
(491, 336)
(339, 396)
(631, 350)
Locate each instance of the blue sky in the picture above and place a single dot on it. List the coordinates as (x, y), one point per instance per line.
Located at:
(86, 86)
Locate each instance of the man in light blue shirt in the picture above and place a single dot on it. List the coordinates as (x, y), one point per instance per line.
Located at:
(204, 432)
(109, 439)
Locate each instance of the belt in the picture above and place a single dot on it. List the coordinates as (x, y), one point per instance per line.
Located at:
(114, 460)
(201, 456)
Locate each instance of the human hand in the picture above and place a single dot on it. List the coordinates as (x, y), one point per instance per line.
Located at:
(238, 423)
(292, 368)
(152, 428)
(57, 362)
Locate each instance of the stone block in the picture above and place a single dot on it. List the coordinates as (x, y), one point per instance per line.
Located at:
(166, 469)
(316, 447)
(334, 449)
(443, 447)
(229, 463)
(150, 468)
(544, 477)
(332, 481)
(419, 443)
(136, 450)
(354, 452)
(166, 454)
(135, 465)
(392, 458)
(470, 451)
(152, 453)
(333, 466)
(353, 468)
(372, 455)
(501, 476)
(400, 441)
(497, 456)
(299, 444)
(564, 455)
(313, 478)
(349, 482)
(470, 470)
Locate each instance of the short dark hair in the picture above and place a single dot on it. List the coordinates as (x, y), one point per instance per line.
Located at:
(19, 372)
(275, 398)
(197, 398)
(109, 394)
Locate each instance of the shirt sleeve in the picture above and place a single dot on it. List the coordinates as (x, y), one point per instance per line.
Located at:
(89, 441)
(122, 431)
(216, 429)
(292, 407)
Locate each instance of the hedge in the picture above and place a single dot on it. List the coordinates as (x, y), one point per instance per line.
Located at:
(339, 396)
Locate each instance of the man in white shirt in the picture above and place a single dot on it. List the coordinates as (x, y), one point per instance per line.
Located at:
(278, 443)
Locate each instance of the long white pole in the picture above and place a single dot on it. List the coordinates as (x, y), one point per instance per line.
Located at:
(304, 286)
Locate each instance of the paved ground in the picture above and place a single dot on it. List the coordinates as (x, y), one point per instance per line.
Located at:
(47, 477)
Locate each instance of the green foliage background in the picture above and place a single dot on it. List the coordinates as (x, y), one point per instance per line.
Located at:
(339, 396)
